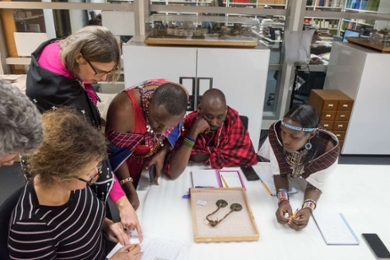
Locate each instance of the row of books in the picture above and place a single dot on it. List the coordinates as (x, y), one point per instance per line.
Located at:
(262, 2)
(368, 5)
(272, 2)
(322, 23)
(325, 3)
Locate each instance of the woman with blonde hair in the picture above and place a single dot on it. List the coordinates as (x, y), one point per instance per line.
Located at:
(58, 216)
(61, 73)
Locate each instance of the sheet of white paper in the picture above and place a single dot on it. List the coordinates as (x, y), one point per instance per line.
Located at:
(232, 178)
(335, 228)
(204, 178)
(133, 240)
(161, 248)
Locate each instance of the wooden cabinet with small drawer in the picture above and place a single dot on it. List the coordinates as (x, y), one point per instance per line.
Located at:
(343, 115)
(327, 125)
(334, 108)
(328, 115)
(340, 125)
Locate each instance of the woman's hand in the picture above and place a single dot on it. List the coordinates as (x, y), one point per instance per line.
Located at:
(116, 233)
(128, 216)
(284, 208)
(301, 219)
(126, 254)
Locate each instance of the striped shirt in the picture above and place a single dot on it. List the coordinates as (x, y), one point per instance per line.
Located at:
(70, 231)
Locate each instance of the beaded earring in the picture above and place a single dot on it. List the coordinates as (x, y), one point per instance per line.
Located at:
(308, 145)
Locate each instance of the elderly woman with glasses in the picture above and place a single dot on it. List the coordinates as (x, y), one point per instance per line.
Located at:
(61, 73)
(58, 215)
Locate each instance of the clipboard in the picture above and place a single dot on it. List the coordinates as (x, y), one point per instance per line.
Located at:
(213, 179)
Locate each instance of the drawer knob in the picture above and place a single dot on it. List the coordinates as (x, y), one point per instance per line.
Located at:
(342, 115)
(340, 126)
(328, 115)
(338, 135)
(326, 125)
(345, 105)
(330, 105)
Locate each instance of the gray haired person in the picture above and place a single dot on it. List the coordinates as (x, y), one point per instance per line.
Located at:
(20, 124)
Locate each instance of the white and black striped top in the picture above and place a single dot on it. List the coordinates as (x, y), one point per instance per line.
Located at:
(71, 231)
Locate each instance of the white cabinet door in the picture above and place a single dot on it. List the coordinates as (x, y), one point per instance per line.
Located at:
(241, 74)
(363, 75)
(146, 62)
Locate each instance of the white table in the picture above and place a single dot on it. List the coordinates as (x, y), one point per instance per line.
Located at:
(359, 192)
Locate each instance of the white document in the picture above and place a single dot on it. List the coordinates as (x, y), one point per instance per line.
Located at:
(204, 178)
(232, 179)
(335, 229)
(161, 248)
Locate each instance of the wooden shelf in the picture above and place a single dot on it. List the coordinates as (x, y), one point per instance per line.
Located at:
(368, 44)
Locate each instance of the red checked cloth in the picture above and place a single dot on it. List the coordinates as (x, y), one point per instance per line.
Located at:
(230, 147)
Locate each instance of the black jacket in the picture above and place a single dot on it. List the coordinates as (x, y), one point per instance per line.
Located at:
(49, 90)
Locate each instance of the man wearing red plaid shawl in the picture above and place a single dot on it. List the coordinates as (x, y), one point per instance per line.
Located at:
(213, 135)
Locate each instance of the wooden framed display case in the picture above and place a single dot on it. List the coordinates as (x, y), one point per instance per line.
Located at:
(200, 30)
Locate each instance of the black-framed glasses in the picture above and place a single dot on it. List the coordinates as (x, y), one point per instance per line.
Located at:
(93, 179)
(99, 72)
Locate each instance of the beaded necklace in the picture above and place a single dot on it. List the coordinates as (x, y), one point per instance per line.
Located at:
(158, 139)
(296, 161)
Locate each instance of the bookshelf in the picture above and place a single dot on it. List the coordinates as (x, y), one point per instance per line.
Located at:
(338, 26)
(362, 5)
(322, 5)
(274, 4)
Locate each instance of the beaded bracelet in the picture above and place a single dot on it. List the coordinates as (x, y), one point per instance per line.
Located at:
(128, 179)
(190, 138)
(309, 203)
(282, 196)
(187, 142)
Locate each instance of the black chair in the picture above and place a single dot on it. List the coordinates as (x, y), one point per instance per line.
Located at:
(5, 215)
(245, 121)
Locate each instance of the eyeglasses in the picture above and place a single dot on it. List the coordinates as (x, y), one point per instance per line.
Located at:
(99, 72)
(93, 179)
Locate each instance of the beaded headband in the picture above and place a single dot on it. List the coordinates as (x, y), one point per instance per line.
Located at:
(297, 128)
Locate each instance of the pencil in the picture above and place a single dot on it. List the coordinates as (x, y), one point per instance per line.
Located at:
(265, 187)
(131, 248)
(224, 181)
(295, 213)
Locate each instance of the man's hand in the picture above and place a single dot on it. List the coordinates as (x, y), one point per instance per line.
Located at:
(200, 126)
(284, 208)
(158, 160)
(301, 219)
